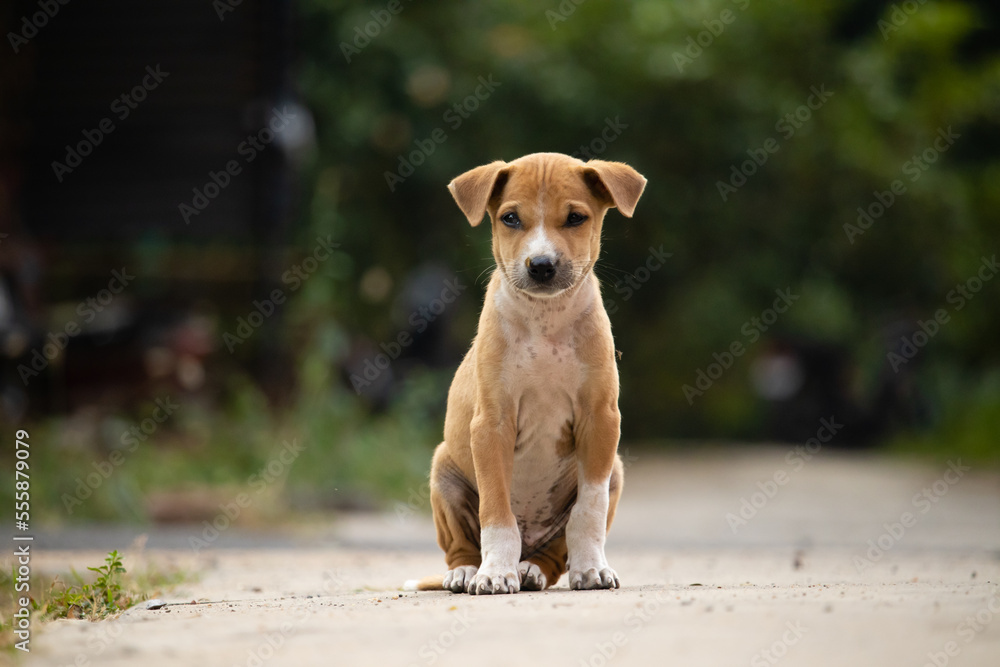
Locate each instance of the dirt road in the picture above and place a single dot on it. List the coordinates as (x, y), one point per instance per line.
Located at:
(743, 557)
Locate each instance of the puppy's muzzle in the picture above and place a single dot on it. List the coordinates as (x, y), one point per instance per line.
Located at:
(541, 269)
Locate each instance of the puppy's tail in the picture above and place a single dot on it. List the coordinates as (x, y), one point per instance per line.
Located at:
(435, 582)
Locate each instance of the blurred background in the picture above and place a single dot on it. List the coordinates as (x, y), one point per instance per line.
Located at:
(228, 257)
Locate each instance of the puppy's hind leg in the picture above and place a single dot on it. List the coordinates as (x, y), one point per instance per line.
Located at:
(542, 568)
(455, 505)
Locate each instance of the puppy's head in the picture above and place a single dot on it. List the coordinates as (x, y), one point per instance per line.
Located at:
(547, 210)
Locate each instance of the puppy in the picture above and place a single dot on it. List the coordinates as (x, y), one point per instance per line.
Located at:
(526, 483)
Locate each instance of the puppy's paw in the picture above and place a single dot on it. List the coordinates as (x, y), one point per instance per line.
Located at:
(492, 580)
(531, 577)
(593, 578)
(458, 580)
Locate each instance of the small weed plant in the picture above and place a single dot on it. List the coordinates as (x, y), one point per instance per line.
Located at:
(95, 601)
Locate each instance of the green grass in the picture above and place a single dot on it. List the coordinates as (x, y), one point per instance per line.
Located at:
(93, 602)
(349, 455)
(107, 592)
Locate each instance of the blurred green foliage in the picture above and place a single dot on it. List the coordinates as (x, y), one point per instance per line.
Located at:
(696, 86)
(694, 90)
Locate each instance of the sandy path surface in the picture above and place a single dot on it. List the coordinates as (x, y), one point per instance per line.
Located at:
(798, 583)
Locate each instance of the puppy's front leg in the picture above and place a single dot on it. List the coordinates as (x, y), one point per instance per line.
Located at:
(597, 446)
(492, 441)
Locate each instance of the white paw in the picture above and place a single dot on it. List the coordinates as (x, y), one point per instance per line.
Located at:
(458, 580)
(531, 577)
(493, 580)
(592, 578)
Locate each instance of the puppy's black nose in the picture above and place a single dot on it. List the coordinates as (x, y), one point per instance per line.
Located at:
(541, 269)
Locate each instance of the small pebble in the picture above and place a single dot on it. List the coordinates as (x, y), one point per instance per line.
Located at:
(155, 603)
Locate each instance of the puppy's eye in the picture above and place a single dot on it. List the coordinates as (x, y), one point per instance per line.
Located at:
(511, 220)
(575, 219)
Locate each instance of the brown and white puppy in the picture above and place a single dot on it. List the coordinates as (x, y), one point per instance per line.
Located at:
(526, 482)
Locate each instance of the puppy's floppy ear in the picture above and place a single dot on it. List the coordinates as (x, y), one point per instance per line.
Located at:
(617, 182)
(473, 189)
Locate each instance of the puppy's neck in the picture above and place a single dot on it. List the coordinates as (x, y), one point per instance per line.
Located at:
(546, 316)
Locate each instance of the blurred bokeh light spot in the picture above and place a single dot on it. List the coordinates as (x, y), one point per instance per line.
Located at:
(777, 377)
(428, 85)
(510, 41)
(375, 284)
(190, 372)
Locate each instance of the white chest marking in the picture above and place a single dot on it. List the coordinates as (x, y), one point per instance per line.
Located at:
(545, 376)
